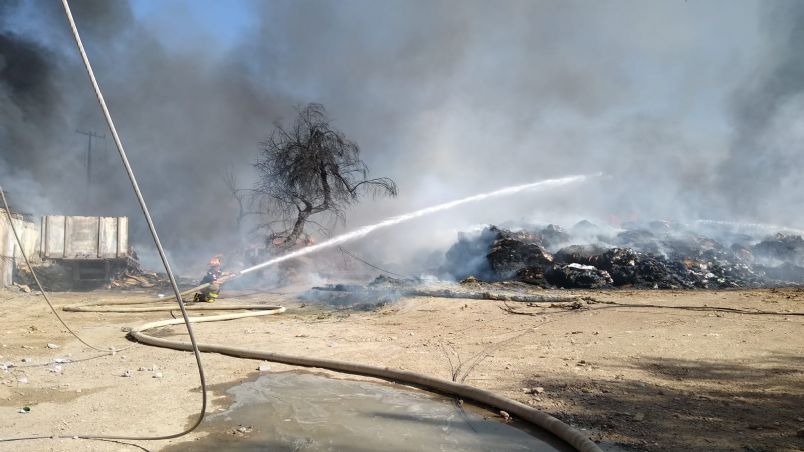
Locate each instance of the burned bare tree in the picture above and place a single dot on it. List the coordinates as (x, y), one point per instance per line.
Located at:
(309, 168)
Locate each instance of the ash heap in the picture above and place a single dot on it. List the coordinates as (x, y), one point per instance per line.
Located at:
(656, 255)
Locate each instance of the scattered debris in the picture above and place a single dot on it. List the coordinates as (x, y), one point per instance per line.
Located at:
(661, 255)
(53, 276)
(781, 247)
(126, 373)
(241, 430)
(578, 276)
(512, 251)
(23, 287)
(553, 235)
(580, 254)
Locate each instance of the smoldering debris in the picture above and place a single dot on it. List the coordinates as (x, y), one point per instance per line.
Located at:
(578, 275)
(786, 248)
(656, 255)
(496, 252)
(348, 296)
(383, 290)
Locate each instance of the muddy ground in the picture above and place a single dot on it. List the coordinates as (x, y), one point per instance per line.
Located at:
(639, 378)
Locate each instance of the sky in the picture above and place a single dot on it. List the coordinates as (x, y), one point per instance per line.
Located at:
(691, 109)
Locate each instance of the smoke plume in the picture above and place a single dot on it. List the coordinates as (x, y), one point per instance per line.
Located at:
(690, 109)
(761, 177)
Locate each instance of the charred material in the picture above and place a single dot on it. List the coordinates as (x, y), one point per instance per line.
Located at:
(512, 251)
(662, 255)
(628, 267)
(580, 254)
(785, 272)
(533, 276)
(384, 289)
(782, 247)
(640, 239)
(577, 276)
(553, 236)
(467, 257)
(496, 254)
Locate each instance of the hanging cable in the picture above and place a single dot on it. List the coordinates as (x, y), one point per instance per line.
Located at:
(363, 261)
(157, 242)
(151, 229)
(577, 439)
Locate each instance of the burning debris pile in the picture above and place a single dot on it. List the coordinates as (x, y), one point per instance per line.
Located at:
(659, 255)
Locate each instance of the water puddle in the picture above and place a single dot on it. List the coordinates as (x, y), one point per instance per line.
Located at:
(306, 412)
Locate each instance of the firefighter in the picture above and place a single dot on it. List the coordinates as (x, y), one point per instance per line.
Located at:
(210, 293)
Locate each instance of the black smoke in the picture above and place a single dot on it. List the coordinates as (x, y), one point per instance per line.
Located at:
(448, 98)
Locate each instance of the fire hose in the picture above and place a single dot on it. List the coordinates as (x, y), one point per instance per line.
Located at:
(559, 429)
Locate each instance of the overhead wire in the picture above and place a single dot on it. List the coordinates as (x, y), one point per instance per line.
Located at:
(363, 261)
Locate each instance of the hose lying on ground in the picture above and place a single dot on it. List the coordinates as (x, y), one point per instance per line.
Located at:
(152, 229)
(531, 415)
(547, 422)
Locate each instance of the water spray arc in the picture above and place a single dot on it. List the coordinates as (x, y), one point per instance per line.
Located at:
(575, 438)
(365, 230)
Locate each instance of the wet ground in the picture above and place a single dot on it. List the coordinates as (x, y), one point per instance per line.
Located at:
(294, 411)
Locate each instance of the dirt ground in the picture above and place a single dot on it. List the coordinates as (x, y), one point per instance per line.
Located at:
(635, 378)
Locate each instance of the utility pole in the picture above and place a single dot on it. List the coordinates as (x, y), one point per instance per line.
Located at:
(90, 134)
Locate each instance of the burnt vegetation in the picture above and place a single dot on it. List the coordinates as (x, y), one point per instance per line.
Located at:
(310, 169)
